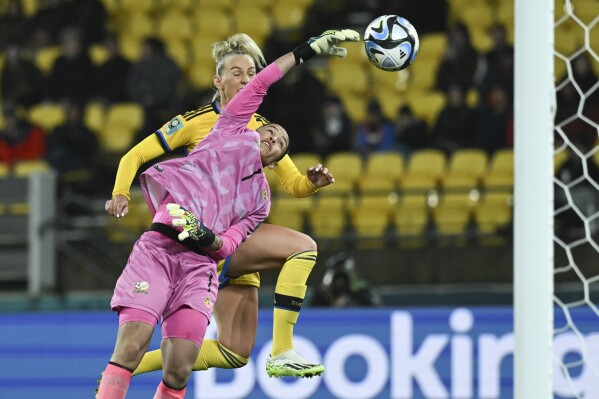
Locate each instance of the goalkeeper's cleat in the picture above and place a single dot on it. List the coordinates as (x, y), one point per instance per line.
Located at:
(291, 364)
(99, 380)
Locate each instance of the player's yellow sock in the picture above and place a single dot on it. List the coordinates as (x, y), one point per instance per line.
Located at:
(151, 361)
(289, 297)
(213, 354)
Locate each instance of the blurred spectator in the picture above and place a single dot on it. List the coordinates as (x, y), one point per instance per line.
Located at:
(459, 61)
(20, 82)
(456, 123)
(50, 19)
(495, 126)
(497, 66)
(376, 133)
(19, 139)
(111, 77)
(411, 131)
(154, 83)
(333, 133)
(73, 148)
(308, 94)
(342, 287)
(14, 25)
(89, 16)
(70, 78)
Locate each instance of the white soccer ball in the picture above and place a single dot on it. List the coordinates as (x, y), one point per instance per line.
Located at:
(391, 43)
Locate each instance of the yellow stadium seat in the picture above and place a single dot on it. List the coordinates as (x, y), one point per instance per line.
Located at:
(342, 79)
(586, 10)
(47, 115)
(377, 185)
(466, 167)
(45, 58)
(327, 223)
(478, 15)
(303, 161)
(370, 228)
(426, 104)
(288, 16)
(332, 203)
(130, 47)
(25, 168)
(290, 219)
(132, 7)
(4, 170)
(263, 4)
(411, 221)
(423, 77)
(98, 54)
(201, 74)
(138, 25)
(212, 23)
(177, 5)
(451, 221)
(217, 4)
(427, 162)
(273, 181)
(432, 47)
(178, 50)
(253, 21)
(568, 39)
(175, 25)
(129, 227)
(123, 121)
(94, 116)
(345, 166)
(494, 212)
(290, 204)
(354, 105)
(500, 175)
(380, 203)
(389, 165)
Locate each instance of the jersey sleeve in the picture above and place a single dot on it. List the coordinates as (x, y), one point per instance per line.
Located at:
(293, 181)
(147, 149)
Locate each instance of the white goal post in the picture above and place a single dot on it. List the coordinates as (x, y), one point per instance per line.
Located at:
(533, 196)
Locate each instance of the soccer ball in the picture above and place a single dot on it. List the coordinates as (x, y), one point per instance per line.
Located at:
(391, 43)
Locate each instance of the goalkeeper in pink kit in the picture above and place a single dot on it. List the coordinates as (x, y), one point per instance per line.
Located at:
(204, 206)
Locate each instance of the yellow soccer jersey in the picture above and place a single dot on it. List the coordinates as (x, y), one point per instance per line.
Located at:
(186, 131)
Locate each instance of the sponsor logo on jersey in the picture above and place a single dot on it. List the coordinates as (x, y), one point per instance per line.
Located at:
(174, 125)
(141, 287)
(264, 194)
(207, 302)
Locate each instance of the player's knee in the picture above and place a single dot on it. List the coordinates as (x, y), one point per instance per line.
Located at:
(304, 242)
(176, 375)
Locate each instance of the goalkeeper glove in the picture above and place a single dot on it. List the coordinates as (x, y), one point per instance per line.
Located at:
(325, 44)
(192, 227)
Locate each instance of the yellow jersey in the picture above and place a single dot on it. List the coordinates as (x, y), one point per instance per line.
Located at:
(186, 131)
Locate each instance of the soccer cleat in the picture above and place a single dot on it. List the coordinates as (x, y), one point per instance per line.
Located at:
(291, 364)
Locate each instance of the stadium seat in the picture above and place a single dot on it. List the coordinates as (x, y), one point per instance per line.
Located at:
(370, 228)
(342, 79)
(500, 175)
(354, 105)
(45, 58)
(327, 223)
(174, 25)
(178, 50)
(451, 221)
(494, 212)
(133, 7)
(289, 219)
(290, 204)
(427, 164)
(128, 228)
(383, 172)
(130, 47)
(47, 115)
(253, 21)
(411, 217)
(98, 54)
(288, 16)
(217, 4)
(381, 203)
(94, 116)
(214, 24)
(432, 47)
(138, 25)
(466, 168)
(263, 4)
(345, 166)
(201, 73)
(423, 77)
(123, 121)
(426, 104)
(4, 170)
(25, 168)
(305, 160)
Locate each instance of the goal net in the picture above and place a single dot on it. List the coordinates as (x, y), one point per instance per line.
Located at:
(576, 196)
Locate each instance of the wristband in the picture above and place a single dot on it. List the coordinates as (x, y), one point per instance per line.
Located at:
(302, 53)
(206, 236)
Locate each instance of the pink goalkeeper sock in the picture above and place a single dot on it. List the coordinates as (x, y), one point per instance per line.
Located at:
(164, 392)
(115, 383)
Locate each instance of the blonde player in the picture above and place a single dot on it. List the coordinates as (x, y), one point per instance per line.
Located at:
(269, 247)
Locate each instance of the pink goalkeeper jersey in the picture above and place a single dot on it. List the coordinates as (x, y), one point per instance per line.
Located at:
(221, 181)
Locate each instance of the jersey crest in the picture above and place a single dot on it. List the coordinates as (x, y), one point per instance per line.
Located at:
(173, 126)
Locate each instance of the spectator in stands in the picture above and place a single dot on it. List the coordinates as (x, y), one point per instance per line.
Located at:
(495, 121)
(456, 123)
(14, 26)
(19, 139)
(333, 132)
(376, 133)
(111, 76)
(70, 78)
(47, 23)
(459, 61)
(497, 66)
(73, 149)
(20, 82)
(411, 132)
(89, 16)
(154, 83)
